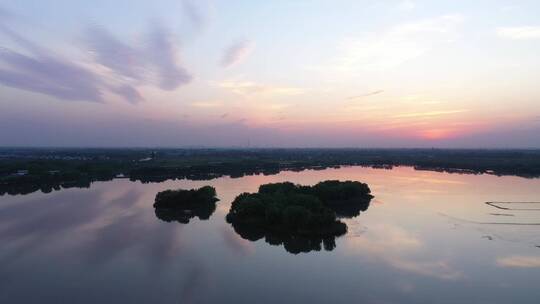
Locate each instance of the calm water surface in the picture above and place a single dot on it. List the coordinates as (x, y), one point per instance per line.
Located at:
(427, 237)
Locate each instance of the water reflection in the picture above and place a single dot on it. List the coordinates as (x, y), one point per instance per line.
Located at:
(519, 261)
(104, 244)
(43, 186)
(292, 243)
(397, 247)
(203, 211)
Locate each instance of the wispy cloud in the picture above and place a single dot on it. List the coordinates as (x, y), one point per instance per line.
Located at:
(429, 114)
(194, 13)
(35, 68)
(366, 94)
(519, 32)
(162, 55)
(397, 45)
(39, 70)
(247, 88)
(109, 51)
(128, 92)
(45, 73)
(236, 53)
(154, 62)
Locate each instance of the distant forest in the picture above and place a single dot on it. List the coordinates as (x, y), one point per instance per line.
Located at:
(25, 170)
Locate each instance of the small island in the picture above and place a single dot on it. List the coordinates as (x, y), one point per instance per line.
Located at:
(182, 205)
(294, 211)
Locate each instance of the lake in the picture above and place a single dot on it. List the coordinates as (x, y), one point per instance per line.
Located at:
(427, 237)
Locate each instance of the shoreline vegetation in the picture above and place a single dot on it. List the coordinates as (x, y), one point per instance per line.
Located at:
(299, 217)
(26, 170)
(182, 205)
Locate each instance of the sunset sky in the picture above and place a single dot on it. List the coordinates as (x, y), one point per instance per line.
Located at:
(270, 73)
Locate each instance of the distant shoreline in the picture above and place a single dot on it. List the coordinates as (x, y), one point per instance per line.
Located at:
(27, 170)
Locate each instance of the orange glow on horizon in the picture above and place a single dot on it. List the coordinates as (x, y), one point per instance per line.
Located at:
(437, 134)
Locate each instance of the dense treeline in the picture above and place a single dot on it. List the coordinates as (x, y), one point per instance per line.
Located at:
(50, 169)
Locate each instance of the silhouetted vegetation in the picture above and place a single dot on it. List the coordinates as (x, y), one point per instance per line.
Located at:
(24, 170)
(182, 205)
(300, 217)
(293, 243)
(347, 199)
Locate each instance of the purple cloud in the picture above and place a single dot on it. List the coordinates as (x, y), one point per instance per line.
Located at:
(42, 72)
(46, 74)
(36, 69)
(161, 54)
(113, 53)
(128, 92)
(193, 13)
(157, 57)
(237, 52)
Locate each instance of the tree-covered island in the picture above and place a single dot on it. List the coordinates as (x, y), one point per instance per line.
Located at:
(294, 212)
(182, 205)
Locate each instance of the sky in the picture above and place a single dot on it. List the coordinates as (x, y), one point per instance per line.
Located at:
(203, 73)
